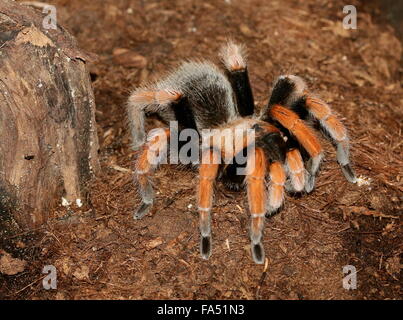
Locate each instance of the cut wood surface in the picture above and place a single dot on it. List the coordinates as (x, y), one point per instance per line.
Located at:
(48, 145)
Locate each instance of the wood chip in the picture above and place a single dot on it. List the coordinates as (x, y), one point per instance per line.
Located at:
(245, 30)
(129, 58)
(154, 243)
(11, 266)
(82, 273)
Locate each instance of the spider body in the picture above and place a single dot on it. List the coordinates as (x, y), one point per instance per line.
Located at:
(286, 151)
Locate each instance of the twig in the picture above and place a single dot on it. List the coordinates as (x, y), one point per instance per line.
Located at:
(366, 212)
(29, 285)
(23, 233)
(262, 278)
(120, 169)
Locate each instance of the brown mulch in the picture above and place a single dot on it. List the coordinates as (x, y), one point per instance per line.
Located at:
(100, 252)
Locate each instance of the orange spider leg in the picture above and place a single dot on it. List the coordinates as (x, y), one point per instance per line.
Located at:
(142, 100)
(321, 111)
(207, 174)
(276, 187)
(150, 157)
(295, 169)
(305, 136)
(148, 97)
(256, 189)
(336, 131)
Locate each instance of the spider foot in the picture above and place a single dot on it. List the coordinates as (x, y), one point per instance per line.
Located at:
(309, 183)
(271, 211)
(289, 187)
(292, 191)
(205, 247)
(258, 252)
(142, 211)
(349, 173)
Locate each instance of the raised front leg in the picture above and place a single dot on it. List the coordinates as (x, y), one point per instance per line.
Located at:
(141, 101)
(233, 57)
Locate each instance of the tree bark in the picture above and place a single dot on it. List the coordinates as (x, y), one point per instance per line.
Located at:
(48, 139)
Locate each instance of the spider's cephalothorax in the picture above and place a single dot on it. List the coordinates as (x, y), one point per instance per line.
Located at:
(287, 152)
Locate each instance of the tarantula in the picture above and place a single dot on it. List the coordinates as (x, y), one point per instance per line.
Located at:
(287, 153)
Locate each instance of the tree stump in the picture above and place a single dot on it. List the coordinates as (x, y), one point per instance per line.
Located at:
(48, 139)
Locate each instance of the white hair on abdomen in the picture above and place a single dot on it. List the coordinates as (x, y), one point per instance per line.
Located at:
(208, 79)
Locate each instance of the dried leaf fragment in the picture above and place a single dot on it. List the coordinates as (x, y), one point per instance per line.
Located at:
(129, 58)
(11, 266)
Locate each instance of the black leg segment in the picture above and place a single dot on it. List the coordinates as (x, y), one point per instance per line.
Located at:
(184, 114)
(240, 83)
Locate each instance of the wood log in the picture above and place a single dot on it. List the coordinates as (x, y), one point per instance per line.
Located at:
(48, 139)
